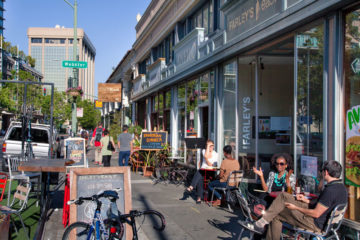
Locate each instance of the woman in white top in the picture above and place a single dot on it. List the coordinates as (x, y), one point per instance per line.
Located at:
(209, 160)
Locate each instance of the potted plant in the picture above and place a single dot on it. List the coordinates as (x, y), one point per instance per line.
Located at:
(75, 91)
(162, 161)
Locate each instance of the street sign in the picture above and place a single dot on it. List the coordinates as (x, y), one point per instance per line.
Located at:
(74, 64)
(355, 66)
(98, 104)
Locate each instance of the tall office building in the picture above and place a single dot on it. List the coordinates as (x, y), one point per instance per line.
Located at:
(2, 9)
(51, 46)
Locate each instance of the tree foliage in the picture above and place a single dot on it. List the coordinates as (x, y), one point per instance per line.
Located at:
(91, 115)
(61, 109)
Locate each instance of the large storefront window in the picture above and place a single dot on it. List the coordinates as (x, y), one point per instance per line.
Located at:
(181, 119)
(228, 106)
(352, 107)
(310, 104)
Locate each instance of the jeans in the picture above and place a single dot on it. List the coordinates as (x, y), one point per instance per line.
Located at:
(216, 183)
(122, 155)
(198, 183)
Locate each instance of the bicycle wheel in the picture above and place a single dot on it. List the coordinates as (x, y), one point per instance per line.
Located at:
(78, 231)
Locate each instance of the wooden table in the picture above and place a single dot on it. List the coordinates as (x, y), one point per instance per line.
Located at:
(44, 166)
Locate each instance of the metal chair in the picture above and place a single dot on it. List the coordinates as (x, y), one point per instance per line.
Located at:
(232, 183)
(248, 215)
(18, 204)
(13, 162)
(332, 225)
(136, 161)
(3, 180)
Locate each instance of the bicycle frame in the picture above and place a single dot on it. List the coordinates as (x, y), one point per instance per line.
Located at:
(97, 225)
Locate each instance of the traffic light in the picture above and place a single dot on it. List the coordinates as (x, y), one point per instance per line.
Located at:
(44, 91)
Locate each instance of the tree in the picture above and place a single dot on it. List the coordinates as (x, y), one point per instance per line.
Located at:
(91, 116)
(61, 110)
(115, 126)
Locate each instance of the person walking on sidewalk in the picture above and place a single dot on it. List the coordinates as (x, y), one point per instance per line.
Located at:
(105, 152)
(300, 211)
(98, 133)
(125, 144)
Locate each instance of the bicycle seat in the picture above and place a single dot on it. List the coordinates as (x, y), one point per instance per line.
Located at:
(111, 194)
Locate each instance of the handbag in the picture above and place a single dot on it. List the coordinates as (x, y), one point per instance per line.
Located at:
(110, 147)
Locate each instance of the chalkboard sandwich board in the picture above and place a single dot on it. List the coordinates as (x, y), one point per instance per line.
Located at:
(153, 140)
(85, 182)
(76, 151)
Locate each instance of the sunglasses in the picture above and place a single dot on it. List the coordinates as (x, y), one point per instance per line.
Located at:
(281, 164)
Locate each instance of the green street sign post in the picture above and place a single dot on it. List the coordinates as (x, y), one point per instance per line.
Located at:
(355, 65)
(74, 64)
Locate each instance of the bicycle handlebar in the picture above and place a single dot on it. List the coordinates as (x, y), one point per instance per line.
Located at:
(136, 213)
(111, 194)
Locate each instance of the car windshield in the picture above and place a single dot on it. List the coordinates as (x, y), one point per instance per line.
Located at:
(37, 135)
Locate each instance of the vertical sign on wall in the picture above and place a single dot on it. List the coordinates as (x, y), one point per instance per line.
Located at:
(352, 164)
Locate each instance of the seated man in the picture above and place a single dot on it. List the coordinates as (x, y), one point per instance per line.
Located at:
(301, 212)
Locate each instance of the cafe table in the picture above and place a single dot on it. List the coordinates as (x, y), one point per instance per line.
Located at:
(275, 194)
(45, 166)
(209, 175)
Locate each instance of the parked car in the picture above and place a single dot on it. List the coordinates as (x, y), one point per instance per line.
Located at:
(41, 143)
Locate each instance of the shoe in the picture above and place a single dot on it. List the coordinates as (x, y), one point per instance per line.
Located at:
(252, 227)
(185, 196)
(216, 202)
(189, 190)
(198, 201)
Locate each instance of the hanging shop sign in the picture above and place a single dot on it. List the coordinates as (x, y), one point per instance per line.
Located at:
(248, 14)
(109, 92)
(98, 104)
(352, 164)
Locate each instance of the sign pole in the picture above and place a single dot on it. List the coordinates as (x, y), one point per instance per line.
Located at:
(75, 71)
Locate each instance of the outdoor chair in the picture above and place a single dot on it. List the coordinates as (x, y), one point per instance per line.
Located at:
(3, 180)
(18, 204)
(330, 231)
(13, 162)
(232, 183)
(251, 208)
(136, 161)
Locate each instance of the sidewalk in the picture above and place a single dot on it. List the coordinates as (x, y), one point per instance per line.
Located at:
(184, 219)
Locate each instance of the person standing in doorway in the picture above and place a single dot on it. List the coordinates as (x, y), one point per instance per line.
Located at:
(125, 145)
(98, 133)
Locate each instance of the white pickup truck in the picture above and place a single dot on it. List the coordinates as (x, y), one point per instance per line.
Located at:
(41, 143)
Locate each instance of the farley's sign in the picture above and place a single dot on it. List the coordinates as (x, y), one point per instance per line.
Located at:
(248, 14)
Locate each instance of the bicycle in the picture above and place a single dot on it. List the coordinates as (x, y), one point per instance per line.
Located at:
(98, 229)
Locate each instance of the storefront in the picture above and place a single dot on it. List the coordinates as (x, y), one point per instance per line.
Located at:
(276, 76)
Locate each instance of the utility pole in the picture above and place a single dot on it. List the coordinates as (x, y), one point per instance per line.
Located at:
(75, 71)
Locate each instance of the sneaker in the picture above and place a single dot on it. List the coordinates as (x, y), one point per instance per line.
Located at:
(252, 227)
(186, 195)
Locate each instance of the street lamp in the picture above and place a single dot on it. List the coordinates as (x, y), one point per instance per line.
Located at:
(75, 72)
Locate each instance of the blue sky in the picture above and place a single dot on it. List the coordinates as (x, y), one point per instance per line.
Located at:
(110, 25)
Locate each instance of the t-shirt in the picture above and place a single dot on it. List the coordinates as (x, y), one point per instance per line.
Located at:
(125, 140)
(333, 194)
(105, 141)
(214, 158)
(227, 166)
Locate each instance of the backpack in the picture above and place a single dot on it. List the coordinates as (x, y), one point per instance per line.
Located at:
(98, 134)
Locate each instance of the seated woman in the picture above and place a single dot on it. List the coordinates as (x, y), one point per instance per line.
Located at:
(279, 180)
(209, 158)
(228, 165)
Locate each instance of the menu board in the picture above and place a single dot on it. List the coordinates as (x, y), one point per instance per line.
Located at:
(352, 164)
(76, 151)
(153, 140)
(86, 182)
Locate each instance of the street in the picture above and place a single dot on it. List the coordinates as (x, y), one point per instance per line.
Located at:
(184, 219)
